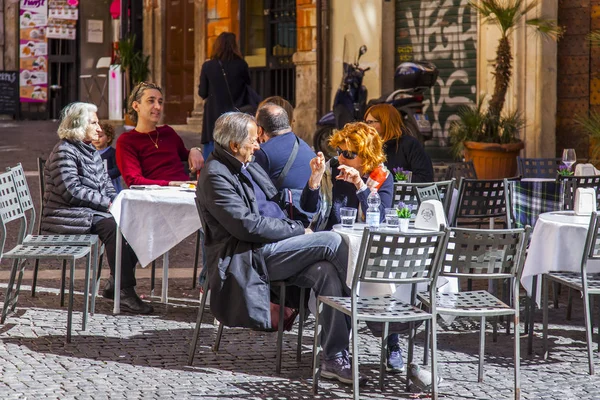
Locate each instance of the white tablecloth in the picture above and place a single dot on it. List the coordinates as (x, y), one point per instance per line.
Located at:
(154, 221)
(557, 244)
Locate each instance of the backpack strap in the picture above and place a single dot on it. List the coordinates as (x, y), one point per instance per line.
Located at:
(288, 164)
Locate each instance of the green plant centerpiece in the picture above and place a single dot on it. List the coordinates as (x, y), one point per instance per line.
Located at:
(482, 133)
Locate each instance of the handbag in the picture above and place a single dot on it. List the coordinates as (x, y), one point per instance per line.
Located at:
(249, 100)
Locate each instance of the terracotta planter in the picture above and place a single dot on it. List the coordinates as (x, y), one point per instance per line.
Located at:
(492, 160)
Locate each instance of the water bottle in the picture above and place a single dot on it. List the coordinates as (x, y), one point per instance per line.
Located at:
(373, 215)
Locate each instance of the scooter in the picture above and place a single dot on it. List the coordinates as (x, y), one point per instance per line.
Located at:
(350, 102)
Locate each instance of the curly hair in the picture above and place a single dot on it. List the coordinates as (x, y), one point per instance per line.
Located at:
(392, 126)
(109, 131)
(136, 95)
(363, 140)
(74, 120)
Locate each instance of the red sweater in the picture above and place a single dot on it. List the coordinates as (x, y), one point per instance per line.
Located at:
(141, 163)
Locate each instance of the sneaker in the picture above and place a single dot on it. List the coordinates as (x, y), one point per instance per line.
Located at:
(109, 289)
(341, 369)
(131, 302)
(395, 363)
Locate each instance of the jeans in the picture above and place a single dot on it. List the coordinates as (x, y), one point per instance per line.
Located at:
(106, 229)
(318, 261)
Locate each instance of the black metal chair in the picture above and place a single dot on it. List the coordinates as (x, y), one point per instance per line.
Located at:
(571, 183)
(480, 203)
(440, 170)
(538, 167)
(408, 193)
(464, 169)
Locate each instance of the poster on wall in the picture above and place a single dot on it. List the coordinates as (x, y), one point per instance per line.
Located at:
(33, 51)
(62, 19)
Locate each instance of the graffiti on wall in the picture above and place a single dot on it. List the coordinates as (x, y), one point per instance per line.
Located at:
(443, 32)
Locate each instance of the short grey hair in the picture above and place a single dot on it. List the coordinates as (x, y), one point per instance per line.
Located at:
(273, 118)
(232, 127)
(74, 120)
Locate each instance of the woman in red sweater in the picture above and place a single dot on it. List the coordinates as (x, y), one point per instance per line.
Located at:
(151, 154)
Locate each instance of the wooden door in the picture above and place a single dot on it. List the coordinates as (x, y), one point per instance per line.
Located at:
(179, 60)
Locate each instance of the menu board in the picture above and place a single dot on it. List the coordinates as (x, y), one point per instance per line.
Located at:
(62, 19)
(33, 51)
(9, 92)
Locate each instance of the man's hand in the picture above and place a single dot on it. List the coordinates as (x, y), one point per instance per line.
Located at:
(317, 167)
(351, 175)
(195, 159)
(308, 231)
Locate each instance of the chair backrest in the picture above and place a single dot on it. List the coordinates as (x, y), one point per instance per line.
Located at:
(408, 193)
(526, 200)
(396, 258)
(459, 170)
(10, 208)
(592, 244)
(538, 167)
(480, 199)
(20, 182)
(485, 253)
(103, 62)
(428, 193)
(440, 170)
(571, 183)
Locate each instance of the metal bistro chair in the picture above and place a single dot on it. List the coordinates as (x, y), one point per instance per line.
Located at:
(483, 254)
(480, 202)
(538, 167)
(587, 284)
(571, 183)
(408, 193)
(88, 240)
(464, 169)
(440, 169)
(388, 258)
(10, 210)
(282, 285)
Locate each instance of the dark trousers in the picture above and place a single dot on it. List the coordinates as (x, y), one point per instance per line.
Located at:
(106, 229)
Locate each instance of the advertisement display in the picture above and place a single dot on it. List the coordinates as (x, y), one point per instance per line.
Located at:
(33, 51)
(62, 19)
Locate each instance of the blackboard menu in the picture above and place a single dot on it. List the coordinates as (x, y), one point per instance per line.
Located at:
(9, 92)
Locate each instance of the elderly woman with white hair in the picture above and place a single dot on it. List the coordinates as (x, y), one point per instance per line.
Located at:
(78, 193)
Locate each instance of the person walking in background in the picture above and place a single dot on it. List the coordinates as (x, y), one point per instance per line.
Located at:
(152, 154)
(401, 149)
(276, 150)
(223, 82)
(78, 194)
(108, 154)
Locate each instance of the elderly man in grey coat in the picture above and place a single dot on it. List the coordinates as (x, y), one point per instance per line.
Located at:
(249, 241)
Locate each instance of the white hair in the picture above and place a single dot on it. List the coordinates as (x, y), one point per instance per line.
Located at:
(232, 127)
(74, 120)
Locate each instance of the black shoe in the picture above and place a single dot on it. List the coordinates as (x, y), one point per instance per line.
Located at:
(131, 302)
(109, 289)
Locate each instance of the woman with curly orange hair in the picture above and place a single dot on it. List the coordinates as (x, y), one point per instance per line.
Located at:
(401, 149)
(346, 180)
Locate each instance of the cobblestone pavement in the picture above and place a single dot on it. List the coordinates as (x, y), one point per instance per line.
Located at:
(145, 357)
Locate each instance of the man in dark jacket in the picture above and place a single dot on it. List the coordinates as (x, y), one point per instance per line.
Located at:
(78, 193)
(249, 241)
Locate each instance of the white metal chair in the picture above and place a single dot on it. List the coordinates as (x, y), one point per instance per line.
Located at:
(10, 210)
(91, 81)
(586, 283)
(392, 258)
(492, 254)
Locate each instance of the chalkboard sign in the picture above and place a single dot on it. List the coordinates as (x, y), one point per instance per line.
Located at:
(9, 92)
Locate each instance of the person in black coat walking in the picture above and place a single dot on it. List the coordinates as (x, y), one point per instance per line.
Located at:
(223, 82)
(401, 149)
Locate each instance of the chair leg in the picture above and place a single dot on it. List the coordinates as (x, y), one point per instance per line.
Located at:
(426, 347)
(8, 298)
(70, 309)
(317, 349)
(196, 257)
(569, 303)
(588, 329)
(152, 277)
(301, 324)
(280, 329)
(526, 316)
(411, 344)
(96, 283)
(218, 338)
(63, 278)
(355, 371)
(86, 292)
(555, 288)
(495, 329)
(545, 316)
(18, 285)
(36, 267)
(382, 359)
(434, 372)
(194, 343)
(517, 357)
(481, 349)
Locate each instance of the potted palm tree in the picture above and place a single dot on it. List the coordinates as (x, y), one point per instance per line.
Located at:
(489, 137)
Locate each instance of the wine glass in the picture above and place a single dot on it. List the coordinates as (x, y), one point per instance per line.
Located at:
(569, 158)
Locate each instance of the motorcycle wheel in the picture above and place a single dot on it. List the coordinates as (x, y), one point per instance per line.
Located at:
(411, 126)
(321, 141)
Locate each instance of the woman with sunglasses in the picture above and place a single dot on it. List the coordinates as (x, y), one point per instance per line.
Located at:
(346, 181)
(401, 149)
(152, 154)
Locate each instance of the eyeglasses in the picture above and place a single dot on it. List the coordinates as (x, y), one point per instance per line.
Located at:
(371, 121)
(348, 155)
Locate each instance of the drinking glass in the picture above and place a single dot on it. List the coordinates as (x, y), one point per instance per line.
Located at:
(348, 216)
(391, 218)
(569, 158)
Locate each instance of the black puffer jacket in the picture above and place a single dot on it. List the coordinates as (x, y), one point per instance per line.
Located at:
(76, 187)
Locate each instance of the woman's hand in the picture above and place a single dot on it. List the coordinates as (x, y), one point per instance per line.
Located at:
(195, 159)
(317, 166)
(349, 174)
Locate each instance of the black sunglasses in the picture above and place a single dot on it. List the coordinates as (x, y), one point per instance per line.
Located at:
(348, 155)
